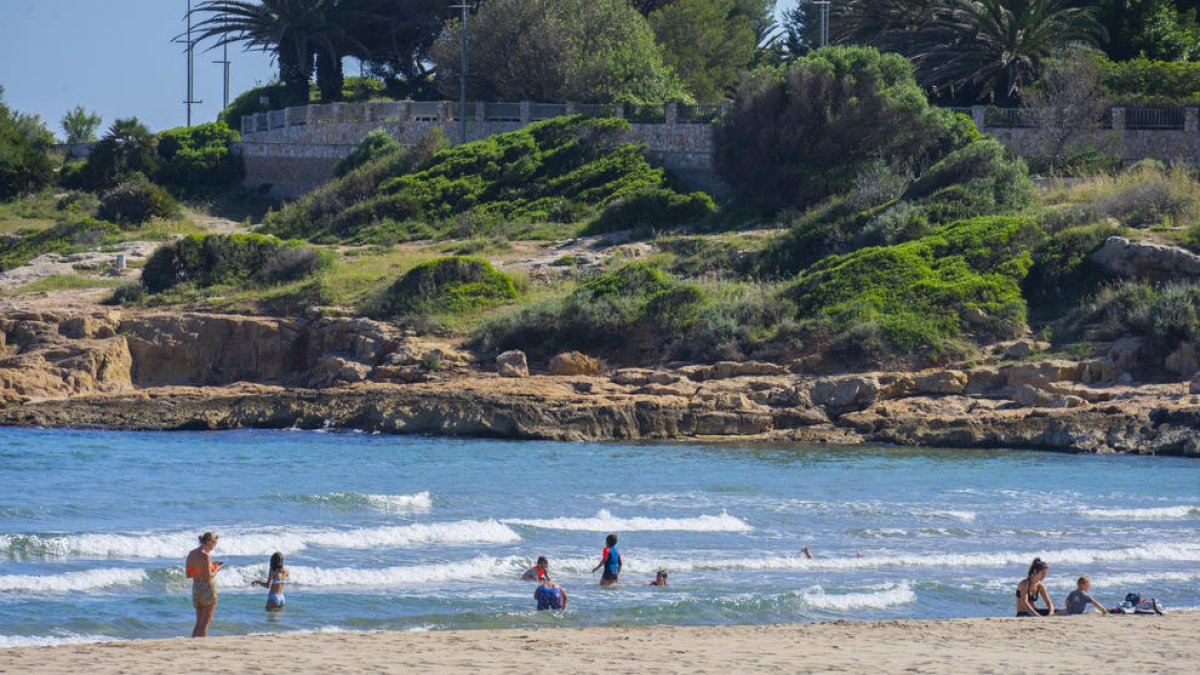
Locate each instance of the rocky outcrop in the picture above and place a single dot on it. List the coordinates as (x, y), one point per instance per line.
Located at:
(1146, 260)
(41, 358)
(574, 363)
(512, 363)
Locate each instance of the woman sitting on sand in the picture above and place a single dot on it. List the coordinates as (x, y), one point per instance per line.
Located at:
(1030, 588)
(274, 583)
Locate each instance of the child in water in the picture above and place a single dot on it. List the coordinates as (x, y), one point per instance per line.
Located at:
(660, 579)
(610, 560)
(274, 583)
(1079, 599)
(550, 595)
(539, 571)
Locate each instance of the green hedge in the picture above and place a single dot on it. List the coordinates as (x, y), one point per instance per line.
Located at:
(1146, 82)
(209, 260)
(453, 284)
(376, 144)
(136, 201)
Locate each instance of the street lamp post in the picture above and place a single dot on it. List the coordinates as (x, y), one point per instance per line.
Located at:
(464, 5)
(823, 31)
(191, 48)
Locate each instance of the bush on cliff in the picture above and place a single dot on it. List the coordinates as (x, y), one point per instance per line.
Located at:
(923, 292)
(194, 159)
(804, 131)
(980, 179)
(136, 201)
(375, 145)
(451, 284)
(60, 238)
(562, 170)
(1166, 315)
(610, 313)
(1062, 273)
(209, 260)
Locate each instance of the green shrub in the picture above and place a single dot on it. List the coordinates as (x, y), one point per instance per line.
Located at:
(209, 260)
(451, 284)
(127, 148)
(557, 170)
(1080, 164)
(71, 175)
(804, 131)
(658, 207)
(918, 290)
(1146, 82)
(1062, 273)
(1166, 315)
(57, 239)
(199, 158)
(24, 166)
(375, 145)
(992, 182)
(249, 103)
(634, 280)
(136, 201)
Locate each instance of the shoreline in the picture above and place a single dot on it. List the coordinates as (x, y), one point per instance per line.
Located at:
(1081, 644)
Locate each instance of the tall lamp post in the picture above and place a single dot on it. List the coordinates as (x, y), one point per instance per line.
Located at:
(464, 5)
(191, 80)
(823, 31)
(224, 62)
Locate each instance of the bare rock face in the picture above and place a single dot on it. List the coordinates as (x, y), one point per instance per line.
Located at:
(38, 361)
(1184, 361)
(1146, 260)
(574, 363)
(942, 382)
(1041, 373)
(723, 370)
(640, 377)
(1023, 349)
(512, 364)
(333, 371)
(1032, 397)
(841, 395)
(985, 379)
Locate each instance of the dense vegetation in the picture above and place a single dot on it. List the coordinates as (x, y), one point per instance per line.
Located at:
(228, 259)
(454, 284)
(566, 170)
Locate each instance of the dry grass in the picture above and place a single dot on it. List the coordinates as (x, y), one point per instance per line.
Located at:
(1145, 197)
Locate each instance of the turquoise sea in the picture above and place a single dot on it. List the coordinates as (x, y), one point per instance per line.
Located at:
(414, 533)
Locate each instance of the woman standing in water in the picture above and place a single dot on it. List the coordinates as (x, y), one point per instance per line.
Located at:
(274, 583)
(202, 570)
(1030, 588)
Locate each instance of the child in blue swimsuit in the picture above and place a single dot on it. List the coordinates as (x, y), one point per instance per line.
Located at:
(274, 583)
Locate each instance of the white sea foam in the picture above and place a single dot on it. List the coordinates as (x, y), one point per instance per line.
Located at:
(878, 599)
(85, 580)
(1160, 513)
(262, 541)
(966, 516)
(419, 502)
(7, 641)
(604, 521)
(481, 567)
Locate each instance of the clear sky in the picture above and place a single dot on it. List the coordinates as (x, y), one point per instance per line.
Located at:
(114, 57)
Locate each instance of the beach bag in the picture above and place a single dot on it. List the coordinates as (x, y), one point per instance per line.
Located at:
(1139, 604)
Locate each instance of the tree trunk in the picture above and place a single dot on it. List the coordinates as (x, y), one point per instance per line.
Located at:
(329, 76)
(295, 70)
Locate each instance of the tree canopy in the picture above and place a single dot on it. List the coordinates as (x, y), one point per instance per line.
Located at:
(589, 51)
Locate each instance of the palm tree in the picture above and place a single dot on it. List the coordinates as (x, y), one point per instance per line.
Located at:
(996, 47)
(294, 30)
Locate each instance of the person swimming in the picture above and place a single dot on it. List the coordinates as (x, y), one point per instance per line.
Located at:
(1031, 587)
(202, 570)
(539, 571)
(276, 576)
(660, 579)
(550, 595)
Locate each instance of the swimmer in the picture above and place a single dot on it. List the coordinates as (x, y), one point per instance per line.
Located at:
(807, 553)
(539, 571)
(274, 583)
(202, 570)
(610, 560)
(660, 579)
(550, 595)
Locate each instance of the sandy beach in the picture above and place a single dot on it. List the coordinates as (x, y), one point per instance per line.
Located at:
(1090, 643)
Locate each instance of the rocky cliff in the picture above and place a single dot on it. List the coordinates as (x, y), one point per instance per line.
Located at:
(196, 371)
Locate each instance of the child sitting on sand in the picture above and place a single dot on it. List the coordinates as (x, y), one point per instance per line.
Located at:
(1079, 598)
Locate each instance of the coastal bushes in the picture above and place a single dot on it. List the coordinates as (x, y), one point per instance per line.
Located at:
(978, 179)
(193, 159)
(920, 293)
(127, 148)
(135, 201)
(60, 238)
(208, 260)
(563, 170)
(373, 146)
(24, 167)
(450, 284)
(804, 131)
(1167, 315)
